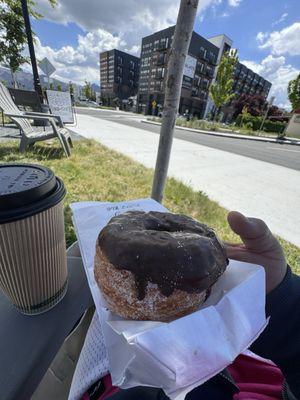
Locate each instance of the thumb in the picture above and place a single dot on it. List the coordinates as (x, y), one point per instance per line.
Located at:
(254, 232)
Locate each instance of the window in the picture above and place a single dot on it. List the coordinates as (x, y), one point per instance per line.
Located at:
(195, 91)
(161, 59)
(160, 73)
(200, 67)
(197, 80)
(164, 43)
(212, 57)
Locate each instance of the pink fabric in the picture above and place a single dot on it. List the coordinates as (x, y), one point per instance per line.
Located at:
(256, 379)
(109, 389)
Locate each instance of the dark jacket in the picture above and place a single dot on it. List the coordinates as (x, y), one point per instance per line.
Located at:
(279, 342)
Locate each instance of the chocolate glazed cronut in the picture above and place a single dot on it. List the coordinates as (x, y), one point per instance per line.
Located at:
(157, 266)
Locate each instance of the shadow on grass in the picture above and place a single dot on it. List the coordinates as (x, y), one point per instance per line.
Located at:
(10, 152)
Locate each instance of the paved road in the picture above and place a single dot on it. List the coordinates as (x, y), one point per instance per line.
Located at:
(279, 154)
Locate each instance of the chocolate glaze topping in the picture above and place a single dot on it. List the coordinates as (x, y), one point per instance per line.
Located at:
(174, 251)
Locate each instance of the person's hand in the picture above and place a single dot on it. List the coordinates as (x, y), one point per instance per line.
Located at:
(259, 247)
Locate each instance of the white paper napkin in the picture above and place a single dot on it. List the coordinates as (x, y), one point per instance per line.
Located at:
(180, 355)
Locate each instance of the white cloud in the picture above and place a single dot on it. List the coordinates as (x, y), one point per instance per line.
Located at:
(132, 19)
(261, 37)
(234, 3)
(107, 25)
(225, 14)
(278, 72)
(82, 62)
(281, 19)
(281, 42)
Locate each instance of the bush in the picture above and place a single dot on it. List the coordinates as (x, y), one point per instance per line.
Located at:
(249, 125)
(255, 123)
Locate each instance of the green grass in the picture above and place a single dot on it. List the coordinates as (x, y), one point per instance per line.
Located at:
(4, 119)
(94, 172)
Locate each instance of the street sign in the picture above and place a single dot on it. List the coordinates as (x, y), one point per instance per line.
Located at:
(46, 66)
(153, 103)
(60, 104)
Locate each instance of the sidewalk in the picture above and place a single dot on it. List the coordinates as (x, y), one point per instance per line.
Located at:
(293, 141)
(253, 187)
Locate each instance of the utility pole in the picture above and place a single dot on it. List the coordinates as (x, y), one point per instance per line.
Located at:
(36, 78)
(179, 49)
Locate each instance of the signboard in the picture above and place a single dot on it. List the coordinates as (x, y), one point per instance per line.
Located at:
(60, 104)
(190, 66)
(46, 66)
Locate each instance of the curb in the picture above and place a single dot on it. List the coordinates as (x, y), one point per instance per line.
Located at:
(234, 136)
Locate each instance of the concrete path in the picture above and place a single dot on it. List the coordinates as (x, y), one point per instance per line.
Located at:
(283, 155)
(254, 187)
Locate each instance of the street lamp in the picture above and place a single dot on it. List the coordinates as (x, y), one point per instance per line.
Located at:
(36, 78)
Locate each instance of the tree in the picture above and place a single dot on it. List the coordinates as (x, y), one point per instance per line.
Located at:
(178, 53)
(13, 35)
(294, 92)
(58, 87)
(255, 104)
(221, 91)
(275, 114)
(88, 91)
(51, 86)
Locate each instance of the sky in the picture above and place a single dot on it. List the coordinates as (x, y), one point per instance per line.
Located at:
(265, 32)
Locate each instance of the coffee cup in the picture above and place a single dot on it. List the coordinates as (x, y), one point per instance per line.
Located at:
(33, 261)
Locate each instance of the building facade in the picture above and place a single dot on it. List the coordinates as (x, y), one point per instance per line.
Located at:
(198, 73)
(119, 76)
(246, 81)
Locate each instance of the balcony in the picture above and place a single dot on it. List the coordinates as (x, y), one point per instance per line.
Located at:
(195, 92)
(204, 56)
(212, 60)
(199, 70)
(203, 95)
(209, 73)
(161, 61)
(161, 47)
(158, 88)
